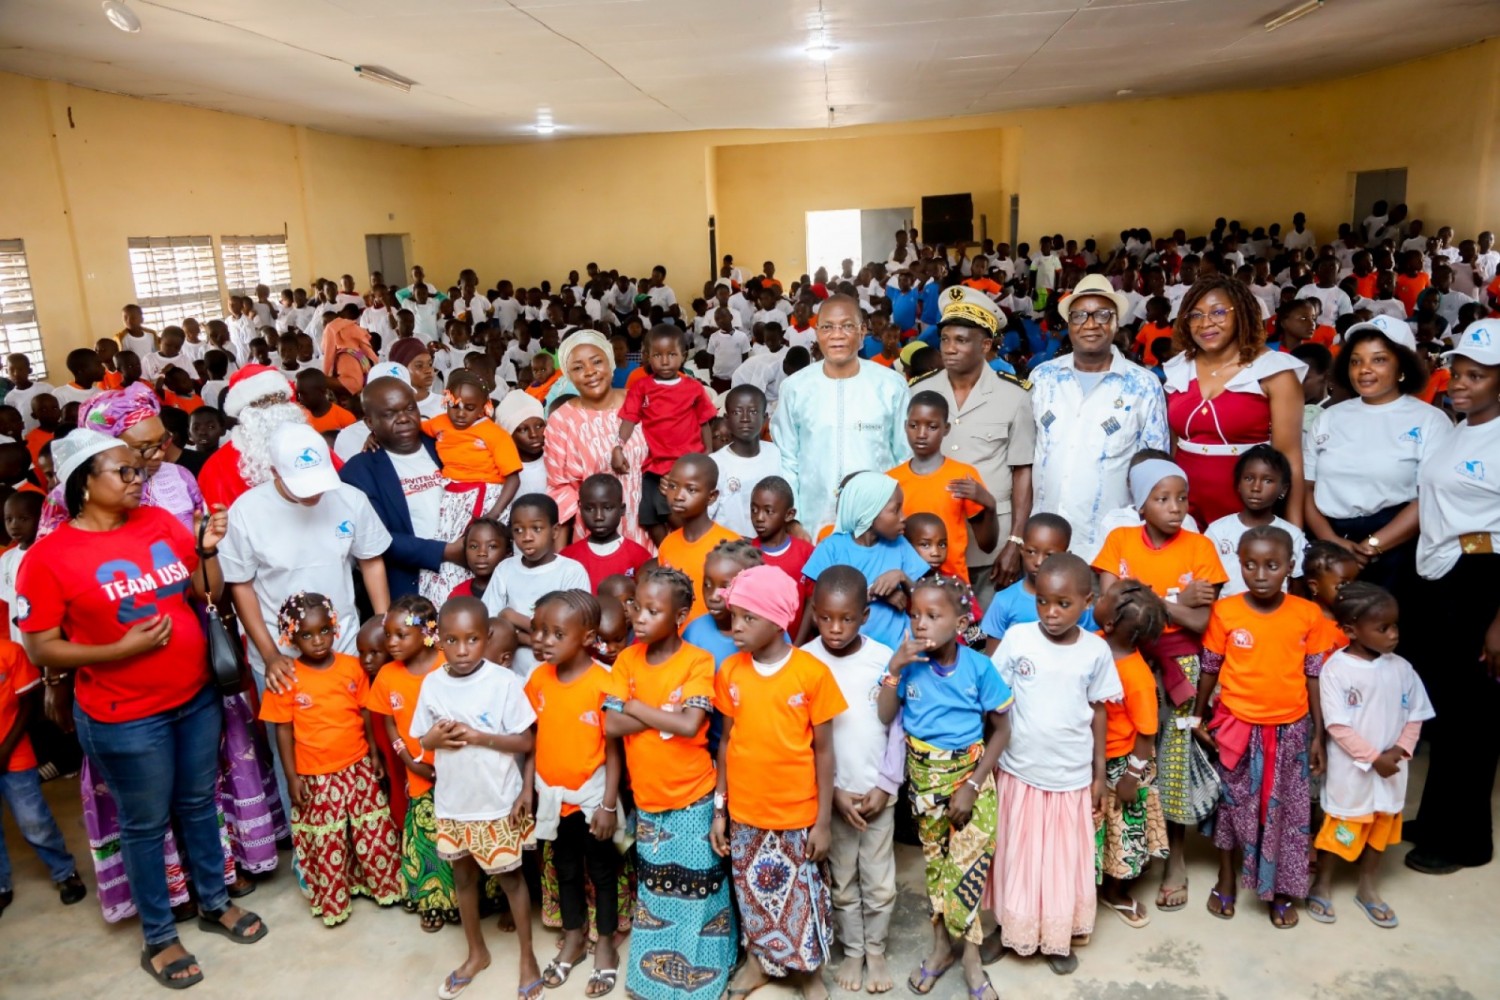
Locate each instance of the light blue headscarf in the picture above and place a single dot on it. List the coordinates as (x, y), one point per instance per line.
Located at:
(861, 500)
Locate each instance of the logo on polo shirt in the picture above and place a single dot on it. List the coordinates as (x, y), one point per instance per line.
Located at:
(484, 721)
(1471, 469)
(1413, 435)
(309, 459)
(345, 529)
(732, 485)
(353, 687)
(1241, 638)
(23, 609)
(1025, 668)
(302, 700)
(541, 703)
(913, 692)
(589, 718)
(734, 695)
(397, 702)
(1354, 699)
(797, 700)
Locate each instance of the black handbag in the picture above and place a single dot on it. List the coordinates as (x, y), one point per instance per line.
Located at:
(226, 658)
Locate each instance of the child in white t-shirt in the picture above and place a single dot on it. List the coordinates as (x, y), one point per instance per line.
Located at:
(729, 347)
(745, 461)
(1373, 708)
(475, 718)
(1262, 476)
(536, 569)
(22, 512)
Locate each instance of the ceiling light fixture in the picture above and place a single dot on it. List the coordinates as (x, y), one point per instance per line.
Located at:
(545, 128)
(121, 16)
(1299, 11)
(822, 52)
(1126, 92)
(385, 78)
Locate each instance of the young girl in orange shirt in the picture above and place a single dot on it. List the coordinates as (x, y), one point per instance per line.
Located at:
(1264, 650)
(410, 632)
(1134, 830)
(685, 939)
(776, 771)
(577, 781)
(341, 825)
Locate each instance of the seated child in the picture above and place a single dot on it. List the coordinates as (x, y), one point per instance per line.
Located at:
(474, 717)
(867, 776)
(1263, 650)
(1134, 828)
(544, 376)
(345, 841)
(775, 761)
(1043, 536)
(772, 508)
(536, 569)
(1052, 782)
(601, 505)
(690, 488)
(932, 483)
(411, 635)
(473, 448)
(868, 536)
(1374, 705)
(486, 546)
(949, 697)
(663, 693)
(744, 460)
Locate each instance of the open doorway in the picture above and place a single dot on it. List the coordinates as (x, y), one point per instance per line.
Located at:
(1371, 186)
(833, 237)
(386, 253)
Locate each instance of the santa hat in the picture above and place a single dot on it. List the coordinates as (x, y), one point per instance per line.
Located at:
(252, 383)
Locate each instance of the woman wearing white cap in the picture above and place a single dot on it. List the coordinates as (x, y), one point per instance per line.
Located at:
(1360, 456)
(1454, 614)
(115, 579)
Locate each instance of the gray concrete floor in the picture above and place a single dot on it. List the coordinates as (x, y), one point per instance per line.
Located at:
(1445, 949)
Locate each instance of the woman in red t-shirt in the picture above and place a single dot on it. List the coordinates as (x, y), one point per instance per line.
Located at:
(115, 579)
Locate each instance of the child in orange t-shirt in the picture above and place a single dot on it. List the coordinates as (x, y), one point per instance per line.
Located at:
(410, 632)
(691, 487)
(776, 769)
(932, 483)
(663, 693)
(1264, 650)
(1135, 830)
(323, 413)
(1411, 280)
(341, 825)
(1158, 309)
(577, 781)
(473, 448)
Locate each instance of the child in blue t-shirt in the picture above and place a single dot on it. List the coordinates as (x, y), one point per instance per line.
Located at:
(1045, 534)
(710, 632)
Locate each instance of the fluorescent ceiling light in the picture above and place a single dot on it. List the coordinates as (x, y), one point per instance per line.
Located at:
(545, 128)
(121, 16)
(821, 51)
(1299, 11)
(384, 77)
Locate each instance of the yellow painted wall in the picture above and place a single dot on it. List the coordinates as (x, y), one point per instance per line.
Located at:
(529, 211)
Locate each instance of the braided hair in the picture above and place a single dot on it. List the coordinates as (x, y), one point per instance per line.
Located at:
(416, 611)
(580, 602)
(1139, 609)
(1358, 599)
(675, 580)
(295, 609)
(951, 587)
(738, 550)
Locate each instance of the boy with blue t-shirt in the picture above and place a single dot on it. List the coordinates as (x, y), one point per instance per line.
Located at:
(1045, 534)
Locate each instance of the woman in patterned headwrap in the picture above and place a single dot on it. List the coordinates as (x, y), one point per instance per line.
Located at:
(251, 813)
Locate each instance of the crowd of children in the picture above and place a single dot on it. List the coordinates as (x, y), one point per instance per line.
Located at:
(713, 738)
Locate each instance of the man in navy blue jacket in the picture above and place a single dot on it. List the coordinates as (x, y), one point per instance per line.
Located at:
(405, 484)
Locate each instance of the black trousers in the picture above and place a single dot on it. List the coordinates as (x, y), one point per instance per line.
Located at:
(1450, 617)
(575, 852)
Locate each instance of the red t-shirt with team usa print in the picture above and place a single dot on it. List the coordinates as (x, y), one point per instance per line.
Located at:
(96, 586)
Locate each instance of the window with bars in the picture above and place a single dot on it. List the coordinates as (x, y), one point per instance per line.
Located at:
(255, 260)
(19, 333)
(175, 278)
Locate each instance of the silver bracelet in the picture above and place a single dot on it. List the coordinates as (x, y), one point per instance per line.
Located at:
(974, 785)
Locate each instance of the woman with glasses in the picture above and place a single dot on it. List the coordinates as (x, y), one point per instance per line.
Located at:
(251, 807)
(1227, 392)
(105, 597)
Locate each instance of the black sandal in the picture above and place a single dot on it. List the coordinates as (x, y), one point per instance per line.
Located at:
(432, 920)
(208, 920)
(167, 976)
(71, 890)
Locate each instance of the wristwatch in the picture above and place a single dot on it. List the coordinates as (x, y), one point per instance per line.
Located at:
(1374, 542)
(720, 801)
(1017, 540)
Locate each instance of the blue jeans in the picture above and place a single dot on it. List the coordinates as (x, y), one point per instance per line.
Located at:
(158, 768)
(22, 791)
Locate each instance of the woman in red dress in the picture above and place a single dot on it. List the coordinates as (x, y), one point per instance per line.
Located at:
(1227, 392)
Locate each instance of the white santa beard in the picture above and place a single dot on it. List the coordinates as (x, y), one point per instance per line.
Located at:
(253, 434)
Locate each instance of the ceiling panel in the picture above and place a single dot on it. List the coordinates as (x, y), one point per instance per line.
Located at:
(486, 68)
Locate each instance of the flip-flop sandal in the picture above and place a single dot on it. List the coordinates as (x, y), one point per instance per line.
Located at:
(1226, 904)
(926, 977)
(1388, 921)
(453, 985)
(1134, 915)
(1280, 909)
(1168, 891)
(432, 921)
(1062, 965)
(531, 990)
(208, 921)
(605, 976)
(1321, 910)
(165, 976)
(978, 992)
(556, 968)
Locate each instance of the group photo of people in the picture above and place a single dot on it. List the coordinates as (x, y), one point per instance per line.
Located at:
(629, 633)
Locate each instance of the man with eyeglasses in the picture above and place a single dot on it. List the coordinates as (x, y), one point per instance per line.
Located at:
(1094, 410)
(838, 416)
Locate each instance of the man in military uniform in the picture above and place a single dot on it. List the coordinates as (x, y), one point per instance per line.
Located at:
(992, 428)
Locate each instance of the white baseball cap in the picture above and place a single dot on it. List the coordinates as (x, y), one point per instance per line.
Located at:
(1397, 331)
(1480, 342)
(388, 369)
(301, 460)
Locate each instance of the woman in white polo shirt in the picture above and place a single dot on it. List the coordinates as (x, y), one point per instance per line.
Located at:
(1454, 616)
(1360, 457)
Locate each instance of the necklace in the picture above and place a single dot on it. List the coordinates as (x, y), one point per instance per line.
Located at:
(1236, 363)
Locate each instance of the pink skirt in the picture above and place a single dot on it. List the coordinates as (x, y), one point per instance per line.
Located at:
(1041, 888)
